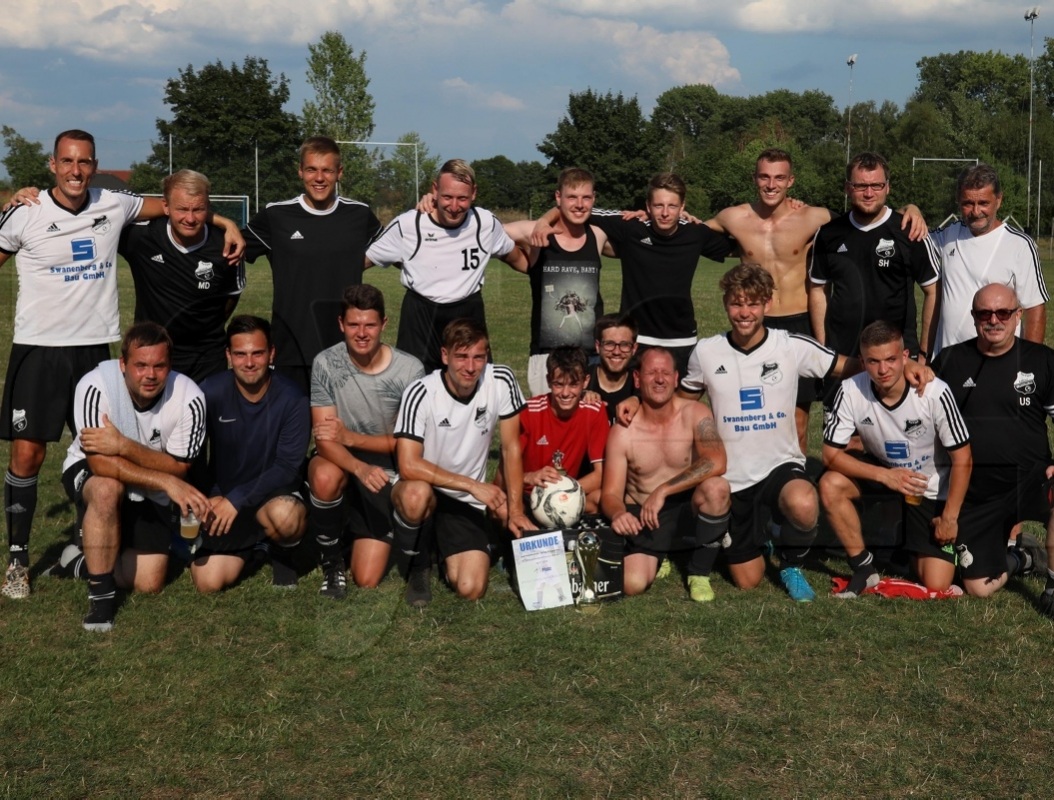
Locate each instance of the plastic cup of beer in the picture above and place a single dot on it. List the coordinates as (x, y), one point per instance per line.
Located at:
(913, 499)
(189, 525)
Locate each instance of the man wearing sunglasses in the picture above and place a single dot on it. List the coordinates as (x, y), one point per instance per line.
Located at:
(1004, 387)
(978, 250)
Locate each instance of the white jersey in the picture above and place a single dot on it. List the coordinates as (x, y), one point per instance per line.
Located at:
(915, 433)
(175, 424)
(444, 265)
(456, 433)
(968, 263)
(753, 395)
(67, 267)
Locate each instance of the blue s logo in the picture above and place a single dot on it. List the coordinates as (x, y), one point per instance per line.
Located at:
(752, 398)
(897, 451)
(83, 249)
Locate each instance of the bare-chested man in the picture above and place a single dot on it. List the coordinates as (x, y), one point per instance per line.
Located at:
(661, 487)
(776, 233)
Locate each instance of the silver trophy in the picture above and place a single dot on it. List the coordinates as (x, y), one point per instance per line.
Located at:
(587, 551)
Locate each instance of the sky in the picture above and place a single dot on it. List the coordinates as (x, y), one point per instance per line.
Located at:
(476, 78)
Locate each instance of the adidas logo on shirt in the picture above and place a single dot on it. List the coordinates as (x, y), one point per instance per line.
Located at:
(296, 235)
(842, 248)
(721, 370)
(53, 228)
(646, 240)
(158, 258)
(543, 441)
(444, 424)
(969, 384)
(867, 421)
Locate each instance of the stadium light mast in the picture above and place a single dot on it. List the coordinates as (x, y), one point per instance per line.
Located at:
(1030, 18)
(851, 62)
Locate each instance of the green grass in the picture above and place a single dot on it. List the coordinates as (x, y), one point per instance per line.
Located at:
(262, 693)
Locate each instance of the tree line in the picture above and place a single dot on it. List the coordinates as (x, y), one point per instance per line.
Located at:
(967, 105)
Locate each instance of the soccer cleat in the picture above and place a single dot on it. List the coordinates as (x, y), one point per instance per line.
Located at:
(334, 582)
(664, 570)
(699, 588)
(419, 588)
(99, 618)
(861, 580)
(797, 585)
(283, 574)
(16, 582)
(1035, 555)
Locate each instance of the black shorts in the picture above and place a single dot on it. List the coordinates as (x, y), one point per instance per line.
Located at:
(421, 324)
(145, 526)
(246, 531)
(809, 389)
(459, 527)
(38, 390)
(916, 521)
(984, 524)
(676, 529)
(751, 508)
(369, 514)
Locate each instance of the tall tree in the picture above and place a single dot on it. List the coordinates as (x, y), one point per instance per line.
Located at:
(396, 186)
(342, 107)
(608, 135)
(221, 118)
(26, 162)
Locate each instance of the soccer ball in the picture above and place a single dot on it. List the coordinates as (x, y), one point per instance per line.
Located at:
(558, 505)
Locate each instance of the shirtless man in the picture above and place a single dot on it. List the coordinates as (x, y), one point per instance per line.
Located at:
(661, 488)
(776, 233)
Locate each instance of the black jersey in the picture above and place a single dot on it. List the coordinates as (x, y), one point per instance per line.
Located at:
(871, 273)
(314, 256)
(612, 399)
(657, 273)
(565, 296)
(1005, 401)
(187, 291)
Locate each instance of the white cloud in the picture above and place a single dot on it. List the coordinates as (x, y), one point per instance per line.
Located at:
(481, 97)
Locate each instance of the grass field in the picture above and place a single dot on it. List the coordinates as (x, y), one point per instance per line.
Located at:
(261, 693)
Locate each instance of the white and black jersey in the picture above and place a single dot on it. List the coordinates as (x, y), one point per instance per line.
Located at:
(869, 272)
(657, 273)
(456, 432)
(753, 395)
(67, 267)
(565, 296)
(441, 264)
(314, 256)
(173, 424)
(968, 263)
(913, 433)
(185, 289)
(1005, 401)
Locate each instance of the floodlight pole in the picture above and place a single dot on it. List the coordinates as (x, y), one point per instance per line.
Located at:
(1030, 17)
(851, 61)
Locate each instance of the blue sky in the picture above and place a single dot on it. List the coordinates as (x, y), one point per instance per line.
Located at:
(475, 79)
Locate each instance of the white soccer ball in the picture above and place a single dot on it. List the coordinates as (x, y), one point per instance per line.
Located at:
(558, 505)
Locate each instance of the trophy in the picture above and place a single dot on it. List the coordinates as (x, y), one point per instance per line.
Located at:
(587, 551)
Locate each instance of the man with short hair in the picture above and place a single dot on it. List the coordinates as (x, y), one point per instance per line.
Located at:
(315, 244)
(1004, 388)
(443, 434)
(443, 255)
(356, 387)
(259, 427)
(65, 316)
(980, 249)
(661, 488)
(182, 278)
(917, 447)
(615, 338)
(139, 426)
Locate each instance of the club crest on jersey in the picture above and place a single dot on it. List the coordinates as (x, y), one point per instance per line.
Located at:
(886, 248)
(101, 224)
(204, 271)
(480, 419)
(771, 373)
(914, 428)
(1025, 383)
(18, 419)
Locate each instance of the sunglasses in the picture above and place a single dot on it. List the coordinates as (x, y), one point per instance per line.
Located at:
(1001, 314)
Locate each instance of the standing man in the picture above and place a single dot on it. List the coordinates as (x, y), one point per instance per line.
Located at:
(443, 434)
(615, 338)
(259, 427)
(914, 446)
(182, 279)
(356, 387)
(1004, 388)
(315, 244)
(443, 256)
(564, 275)
(659, 259)
(980, 249)
(65, 317)
(138, 428)
(660, 488)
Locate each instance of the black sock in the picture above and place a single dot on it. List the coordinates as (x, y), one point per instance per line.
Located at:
(1049, 587)
(20, 504)
(326, 517)
(863, 566)
(794, 545)
(102, 586)
(1015, 561)
(708, 534)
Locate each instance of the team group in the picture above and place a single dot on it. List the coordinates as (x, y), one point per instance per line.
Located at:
(944, 415)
